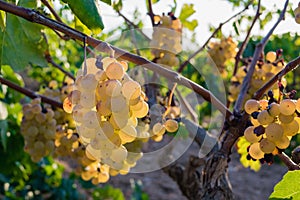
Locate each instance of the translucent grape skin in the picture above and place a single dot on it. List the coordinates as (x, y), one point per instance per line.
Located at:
(274, 132)
(251, 136)
(266, 146)
(251, 106)
(255, 151)
(287, 107)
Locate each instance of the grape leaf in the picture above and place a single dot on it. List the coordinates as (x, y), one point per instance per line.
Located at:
(108, 192)
(2, 20)
(21, 42)
(187, 11)
(288, 187)
(88, 12)
(107, 2)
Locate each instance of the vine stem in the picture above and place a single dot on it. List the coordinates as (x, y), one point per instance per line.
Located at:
(150, 12)
(257, 54)
(245, 42)
(30, 93)
(133, 25)
(186, 62)
(36, 17)
(46, 3)
(288, 162)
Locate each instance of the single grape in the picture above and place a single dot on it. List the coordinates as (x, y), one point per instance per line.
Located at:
(115, 71)
(283, 142)
(274, 109)
(266, 146)
(271, 56)
(171, 125)
(251, 106)
(255, 151)
(274, 132)
(287, 107)
(264, 118)
(251, 136)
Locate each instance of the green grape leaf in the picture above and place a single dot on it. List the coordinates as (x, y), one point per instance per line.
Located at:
(236, 29)
(3, 133)
(118, 5)
(88, 12)
(106, 1)
(288, 187)
(108, 192)
(81, 27)
(2, 20)
(22, 42)
(187, 11)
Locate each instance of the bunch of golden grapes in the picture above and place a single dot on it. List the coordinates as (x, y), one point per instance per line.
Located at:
(38, 129)
(163, 119)
(222, 52)
(59, 94)
(297, 14)
(106, 105)
(166, 40)
(264, 71)
(273, 125)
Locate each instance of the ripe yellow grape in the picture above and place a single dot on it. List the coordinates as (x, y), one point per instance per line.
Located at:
(118, 121)
(100, 75)
(264, 118)
(90, 120)
(157, 138)
(266, 146)
(286, 119)
(274, 109)
(113, 88)
(131, 89)
(291, 128)
(104, 107)
(118, 104)
(92, 153)
(251, 136)
(158, 129)
(287, 107)
(107, 61)
(255, 151)
(88, 82)
(271, 56)
(283, 142)
(274, 132)
(119, 154)
(298, 105)
(251, 106)
(127, 134)
(67, 105)
(171, 125)
(87, 99)
(142, 112)
(115, 71)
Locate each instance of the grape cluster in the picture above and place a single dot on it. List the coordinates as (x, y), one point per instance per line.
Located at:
(264, 71)
(162, 120)
(222, 52)
(38, 129)
(166, 40)
(273, 125)
(297, 14)
(106, 105)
